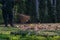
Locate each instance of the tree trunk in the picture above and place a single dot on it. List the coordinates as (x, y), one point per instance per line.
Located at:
(21, 6)
(46, 12)
(53, 5)
(58, 10)
(37, 9)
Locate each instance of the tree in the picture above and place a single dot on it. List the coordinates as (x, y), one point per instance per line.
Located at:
(58, 10)
(21, 6)
(37, 9)
(53, 5)
(46, 12)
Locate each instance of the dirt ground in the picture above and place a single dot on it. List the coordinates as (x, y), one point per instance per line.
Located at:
(39, 26)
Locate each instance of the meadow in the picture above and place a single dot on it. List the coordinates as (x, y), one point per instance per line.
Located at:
(17, 33)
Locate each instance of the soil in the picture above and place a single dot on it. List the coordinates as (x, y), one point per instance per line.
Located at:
(39, 26)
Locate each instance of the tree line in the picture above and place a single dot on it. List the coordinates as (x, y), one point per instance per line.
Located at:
(46, 11)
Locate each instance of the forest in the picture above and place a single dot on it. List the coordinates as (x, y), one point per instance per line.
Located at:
(46, 11)
(43, 16)
(43, 11)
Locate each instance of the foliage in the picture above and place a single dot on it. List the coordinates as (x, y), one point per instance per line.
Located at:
(48, 12)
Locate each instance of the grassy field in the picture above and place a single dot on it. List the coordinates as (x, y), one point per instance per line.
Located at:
(12, 33)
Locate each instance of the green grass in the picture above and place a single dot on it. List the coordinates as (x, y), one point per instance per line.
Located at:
(7, 30)
(5, 34)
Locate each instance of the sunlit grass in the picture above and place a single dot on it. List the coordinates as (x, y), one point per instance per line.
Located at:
(5, 33)
(7, 30)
